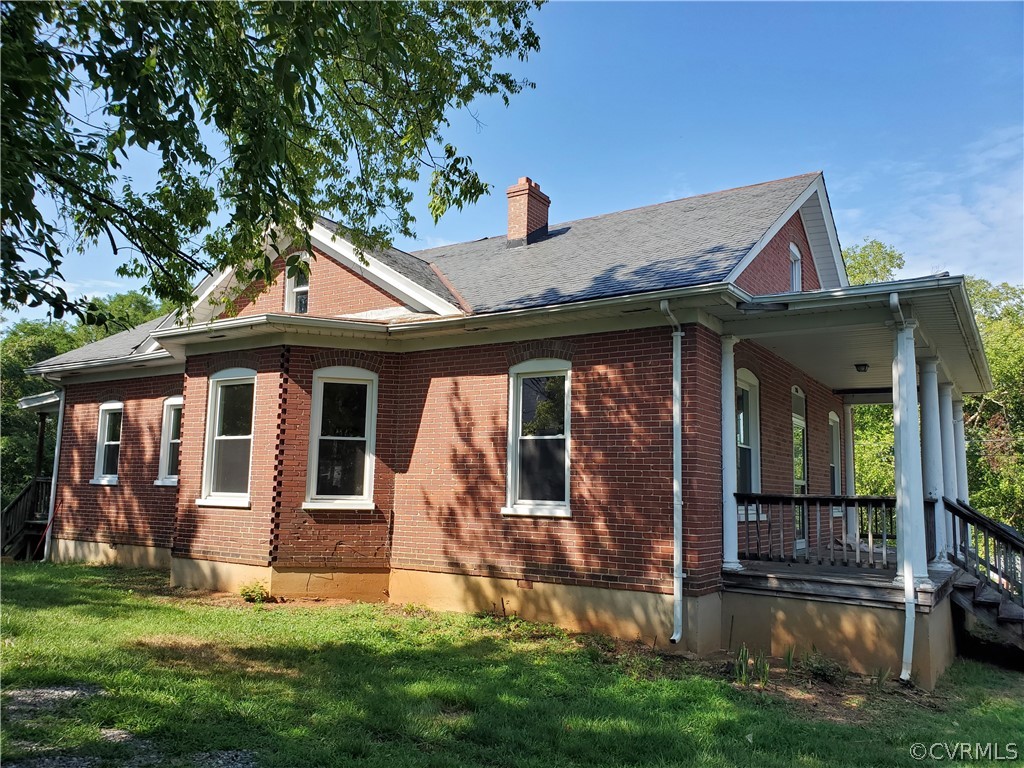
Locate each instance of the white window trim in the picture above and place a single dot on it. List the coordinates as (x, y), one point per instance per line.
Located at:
(796, 275)
(216, 381)
(836, 436)
(745, 379)
(346, 375)
(529, 369)
(163, 477)
(98, 478)
(290, 289)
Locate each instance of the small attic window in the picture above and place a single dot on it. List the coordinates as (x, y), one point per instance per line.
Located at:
(296, 295)
(795, 268)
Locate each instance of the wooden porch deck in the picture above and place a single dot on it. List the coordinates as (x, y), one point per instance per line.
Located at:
(833, 583)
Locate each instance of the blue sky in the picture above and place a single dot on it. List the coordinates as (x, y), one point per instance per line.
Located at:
(914, 111)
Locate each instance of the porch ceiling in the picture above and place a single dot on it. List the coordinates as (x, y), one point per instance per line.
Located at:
(828, 333)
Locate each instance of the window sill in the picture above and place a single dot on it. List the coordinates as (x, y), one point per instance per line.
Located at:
(365, 505)
(166, 481)
(536, 510)
(237, 502)
(103, 481)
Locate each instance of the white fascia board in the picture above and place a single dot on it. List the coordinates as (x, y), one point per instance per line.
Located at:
(816, 186)
(727, 292)
(129, 360)
(271, 321)
(381, 275)
(44, 401)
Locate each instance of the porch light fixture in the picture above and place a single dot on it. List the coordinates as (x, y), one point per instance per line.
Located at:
(861, 367)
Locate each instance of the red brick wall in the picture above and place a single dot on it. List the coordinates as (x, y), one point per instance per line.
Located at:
(776, 378)
(451, 466)
(134, 511)
(769, 271)
(333, 290)
(702, 459)
(230, 534)
(342, 539)
(440, 471)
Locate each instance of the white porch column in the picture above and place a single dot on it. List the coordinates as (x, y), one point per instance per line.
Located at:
(730, 534)
(948, 454)
(962, 492)
(849, 468)
(931, 455)
(910, 543)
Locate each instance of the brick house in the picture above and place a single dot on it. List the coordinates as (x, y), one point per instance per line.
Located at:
(638, 423)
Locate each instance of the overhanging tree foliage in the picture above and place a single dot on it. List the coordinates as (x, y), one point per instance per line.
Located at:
(259, 116)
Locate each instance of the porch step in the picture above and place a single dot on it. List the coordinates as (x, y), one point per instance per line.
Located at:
(986, 595)
(1010, 613)
(965, 581)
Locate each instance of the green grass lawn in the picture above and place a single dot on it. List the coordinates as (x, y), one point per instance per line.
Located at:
(308, 685)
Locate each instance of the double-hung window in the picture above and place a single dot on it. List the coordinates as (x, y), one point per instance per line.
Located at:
(170, 441)
(297, 291)
(108, 444)
(748, 436)
(341, 448)
(538, 439)
(229, 429)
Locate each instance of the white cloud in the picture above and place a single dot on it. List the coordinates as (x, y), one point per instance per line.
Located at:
(964, 218)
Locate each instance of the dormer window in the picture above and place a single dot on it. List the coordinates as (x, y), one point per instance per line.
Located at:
(795, 269)
(297, 292)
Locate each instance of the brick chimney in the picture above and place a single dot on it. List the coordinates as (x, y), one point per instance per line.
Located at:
(527, 213)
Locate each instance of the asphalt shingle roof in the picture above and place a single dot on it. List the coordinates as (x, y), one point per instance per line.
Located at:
(670, 245)
(681, 243)
(118, 345)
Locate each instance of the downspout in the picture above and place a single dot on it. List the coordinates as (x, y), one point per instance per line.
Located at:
(53, 479)
(677, 474)
(909, 600)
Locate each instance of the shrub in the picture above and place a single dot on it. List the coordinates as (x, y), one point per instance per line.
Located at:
(821, 667)
(254, 593)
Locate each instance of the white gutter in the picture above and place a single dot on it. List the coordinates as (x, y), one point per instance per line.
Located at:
(677, 475)
(53, 478)
(103, 363)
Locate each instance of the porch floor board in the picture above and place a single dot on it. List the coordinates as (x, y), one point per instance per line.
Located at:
(832, 583)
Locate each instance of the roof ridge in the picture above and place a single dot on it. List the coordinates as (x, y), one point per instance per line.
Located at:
(631, 210)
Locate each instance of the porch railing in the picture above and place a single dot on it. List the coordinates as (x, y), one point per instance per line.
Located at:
(31, 504)
(990, 551)
(814, 529)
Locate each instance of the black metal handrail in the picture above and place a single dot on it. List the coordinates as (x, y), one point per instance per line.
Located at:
(993, 552)
(813, 529)
(31, 504)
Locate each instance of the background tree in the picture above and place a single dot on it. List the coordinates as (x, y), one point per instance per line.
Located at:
(873, 262)
(28, 342)
(259, 116)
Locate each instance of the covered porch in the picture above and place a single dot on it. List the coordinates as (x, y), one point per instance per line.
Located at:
(877, 566)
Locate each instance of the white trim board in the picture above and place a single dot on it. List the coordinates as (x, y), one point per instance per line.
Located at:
(381, 275)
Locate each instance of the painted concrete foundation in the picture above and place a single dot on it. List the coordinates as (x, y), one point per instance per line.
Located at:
(866, 638)
(102, 553)
(626, 614)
